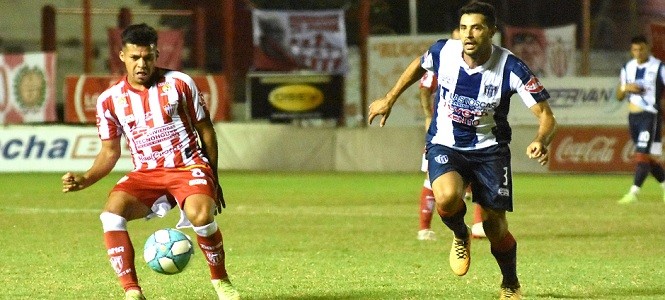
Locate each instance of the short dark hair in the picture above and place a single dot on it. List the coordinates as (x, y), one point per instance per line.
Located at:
(483, 8)
(140, 35)
(640, 39)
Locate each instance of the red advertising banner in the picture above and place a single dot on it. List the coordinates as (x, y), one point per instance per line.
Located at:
(81, 93)
(27, 88)
(658, 40)
(592, 149)
(169, 44)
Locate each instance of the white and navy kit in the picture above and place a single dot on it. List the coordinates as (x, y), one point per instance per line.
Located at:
(645, 126)
(469, 132)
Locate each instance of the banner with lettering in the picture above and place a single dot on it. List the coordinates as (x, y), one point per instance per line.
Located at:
(577, 101)
(592, 149)
(169, 43)
(297, 40)
(27, 88)
(547, 51)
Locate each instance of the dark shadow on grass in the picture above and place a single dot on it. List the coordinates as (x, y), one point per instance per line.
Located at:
(627, 293)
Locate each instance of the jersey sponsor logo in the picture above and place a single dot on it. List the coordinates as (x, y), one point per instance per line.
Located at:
(121, 101)
(198, 182)
(441, 159)
(533, 85)
(165, 88)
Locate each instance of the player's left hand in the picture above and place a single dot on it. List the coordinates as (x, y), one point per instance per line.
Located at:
(220, 203)
(536, 150)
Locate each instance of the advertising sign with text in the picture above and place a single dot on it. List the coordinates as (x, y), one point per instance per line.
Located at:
(592, 149)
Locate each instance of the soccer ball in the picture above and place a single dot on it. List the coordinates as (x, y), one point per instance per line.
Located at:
(167, 251)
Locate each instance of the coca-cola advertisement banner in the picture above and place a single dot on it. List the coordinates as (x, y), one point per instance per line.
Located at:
(592, 149)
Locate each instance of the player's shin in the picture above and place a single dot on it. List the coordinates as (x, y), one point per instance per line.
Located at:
(505, 253)
(120, 250)
(455, 221)
(210, 241)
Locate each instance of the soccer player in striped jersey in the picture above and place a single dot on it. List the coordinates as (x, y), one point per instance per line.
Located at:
(642, 81)
(468, 139)
(173, 146)
(428, 87)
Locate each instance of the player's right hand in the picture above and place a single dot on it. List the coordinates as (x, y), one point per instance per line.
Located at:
(71, 182)
(379, 107)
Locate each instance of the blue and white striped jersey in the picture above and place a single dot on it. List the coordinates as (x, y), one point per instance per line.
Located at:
(651, 77)
(471, 111)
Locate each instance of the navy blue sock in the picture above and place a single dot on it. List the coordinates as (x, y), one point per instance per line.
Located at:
(508, 264)
(641, 172)
(657, 171)
(456, 223)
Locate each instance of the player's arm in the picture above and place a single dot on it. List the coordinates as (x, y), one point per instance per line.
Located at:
(208, 139)
(104, 162)
(546, 129)
(382, 106)
(426, 104)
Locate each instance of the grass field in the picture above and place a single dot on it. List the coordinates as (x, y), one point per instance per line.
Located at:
(344, 236)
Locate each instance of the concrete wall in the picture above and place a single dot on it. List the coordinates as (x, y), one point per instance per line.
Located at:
(251, 146)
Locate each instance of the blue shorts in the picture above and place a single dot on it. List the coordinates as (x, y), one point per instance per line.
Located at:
(645, 132)
(487, 170)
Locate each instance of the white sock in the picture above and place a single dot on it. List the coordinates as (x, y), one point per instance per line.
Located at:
(635, 189)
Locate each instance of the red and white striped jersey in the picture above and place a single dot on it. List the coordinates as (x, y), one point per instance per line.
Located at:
(158, 123)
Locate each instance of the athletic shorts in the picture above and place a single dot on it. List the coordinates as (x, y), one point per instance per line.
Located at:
(149, 185)
(645, 132)
(487, 170)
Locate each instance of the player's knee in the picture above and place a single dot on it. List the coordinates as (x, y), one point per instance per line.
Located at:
(112, 222)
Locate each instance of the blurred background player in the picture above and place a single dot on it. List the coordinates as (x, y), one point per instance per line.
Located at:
(642, 80)
(427, 93)
(173, 146)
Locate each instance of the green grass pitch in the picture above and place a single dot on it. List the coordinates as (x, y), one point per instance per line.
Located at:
(343, 236)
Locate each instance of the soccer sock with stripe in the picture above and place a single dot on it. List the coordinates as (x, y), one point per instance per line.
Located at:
(120, 249)
(456, 222)
(426, 206)
(121, 255)
(505, 253)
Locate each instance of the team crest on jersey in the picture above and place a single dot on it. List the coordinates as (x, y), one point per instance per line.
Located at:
(533, 85)
(490, 90)
(169, 109)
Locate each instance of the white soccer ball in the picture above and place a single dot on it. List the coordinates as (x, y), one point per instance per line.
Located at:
(167, 251)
